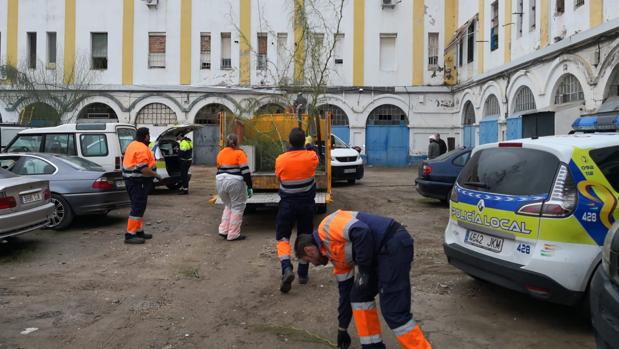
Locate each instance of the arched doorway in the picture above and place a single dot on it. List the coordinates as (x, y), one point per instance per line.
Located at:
(468, 125)
(98, 111)
(611, 91)
(339, 121)
(270, 108)
(157, 117)
(387, 136)
(488, 126)
(39, 115)
(568, 98)
(206, 139)
(523, 113)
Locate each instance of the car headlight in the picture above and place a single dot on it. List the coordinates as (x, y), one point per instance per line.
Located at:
(609, 241)
(333, 158)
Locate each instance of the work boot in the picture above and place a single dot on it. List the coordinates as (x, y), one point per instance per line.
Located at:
(303, 272)
(143, 235)
(287, 279)
(183, 192)
(133, 239)
(303, 279)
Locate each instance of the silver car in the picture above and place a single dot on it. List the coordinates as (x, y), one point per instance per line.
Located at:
(78, 186)
(25, 204)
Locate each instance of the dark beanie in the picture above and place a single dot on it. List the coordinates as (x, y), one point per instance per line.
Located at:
(141, 133)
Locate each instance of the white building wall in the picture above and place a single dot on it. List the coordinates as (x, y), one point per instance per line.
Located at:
(466, 10)
(434, 22)
(530, 39)
(40, 16)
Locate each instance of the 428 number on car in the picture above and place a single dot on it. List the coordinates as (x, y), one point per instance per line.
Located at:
(524, 248)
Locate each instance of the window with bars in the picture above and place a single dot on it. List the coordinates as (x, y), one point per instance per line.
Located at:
(470, 54)
(494, 26)
(387, 115)
(157, 114)
(99, 50)
(209, 114)
(338, 116)
(519, 15)
(51, 50)
(261, 64)
(205, 50)
(469, 114)
(226, 49)
(578, 3)
(524, 100)
(568, 90)
(156, 50)
(432, 51)
(491, 107)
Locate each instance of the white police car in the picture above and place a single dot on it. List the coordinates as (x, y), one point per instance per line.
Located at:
(531, 214)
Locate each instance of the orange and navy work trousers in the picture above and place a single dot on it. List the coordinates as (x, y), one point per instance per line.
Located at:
(291, 212)
(392, 278)
(138, 189)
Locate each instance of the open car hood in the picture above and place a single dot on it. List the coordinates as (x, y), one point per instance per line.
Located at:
(175, 131)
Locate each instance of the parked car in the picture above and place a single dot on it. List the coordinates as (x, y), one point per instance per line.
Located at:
(165, 147)
(101, 143)
(531, 214)
(604, 293)
(24, 204)
(436, 177)
(78, 186)
(346, 162)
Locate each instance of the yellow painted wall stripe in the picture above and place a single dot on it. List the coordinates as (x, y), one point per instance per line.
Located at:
(596, 12)
(69, 41)
(128, 20)
(451, 20)
(418, 41)
(299, 41)
(543, 26)
(11, 32)
(507, 23)
(245, 44)
(186, 42)
(358, 43)
(480, 38)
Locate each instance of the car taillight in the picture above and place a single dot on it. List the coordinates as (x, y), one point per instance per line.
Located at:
(562, 200)
(427, 169)
(117, 161)
(454, 195)
(103, 183)
(7, 201)
(47, 194)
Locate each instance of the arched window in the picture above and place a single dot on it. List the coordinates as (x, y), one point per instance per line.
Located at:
(468, 117)
(39, 115)
(568, 90)
(156, 114)
(338, 116)
(97, 111)
(491, 106)
(387, 114)
(612, 87)
(270, 108)
(209, 114)
(524, 100)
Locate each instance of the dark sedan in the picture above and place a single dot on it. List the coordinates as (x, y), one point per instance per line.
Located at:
(604, 292)
(437, 176)
(78, 186)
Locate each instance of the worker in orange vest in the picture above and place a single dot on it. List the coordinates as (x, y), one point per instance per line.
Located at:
(234, 187)
(382, 251)
(295, 170)
(138, 170)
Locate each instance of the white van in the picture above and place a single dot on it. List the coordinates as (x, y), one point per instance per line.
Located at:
(102, 143)
(7, 133)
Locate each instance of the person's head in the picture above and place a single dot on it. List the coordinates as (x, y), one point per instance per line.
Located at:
(306, 249)
(296, 137)
(437, 136)
(431, 139)
(143, 135)
(179, 138)
(232, 141)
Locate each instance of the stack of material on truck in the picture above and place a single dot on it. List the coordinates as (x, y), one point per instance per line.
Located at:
(263, 138)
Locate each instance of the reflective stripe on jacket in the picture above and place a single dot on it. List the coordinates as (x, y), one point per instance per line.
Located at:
(137, 157)
(296, 169)
(234, 162)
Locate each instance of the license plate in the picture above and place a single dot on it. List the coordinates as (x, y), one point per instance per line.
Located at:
(350, 170)
(484, 241)
(28, 198)
(120, 184)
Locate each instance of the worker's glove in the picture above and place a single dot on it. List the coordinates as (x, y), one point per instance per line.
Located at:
(250, 192)
(362, 281)
(343, 339)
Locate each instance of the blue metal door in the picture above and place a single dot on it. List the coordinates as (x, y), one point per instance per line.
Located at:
(342, 132)
(488, 131)
(387, 145)
(469, 136)
(514, 127)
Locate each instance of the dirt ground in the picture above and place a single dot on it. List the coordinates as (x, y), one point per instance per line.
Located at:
(186, 288)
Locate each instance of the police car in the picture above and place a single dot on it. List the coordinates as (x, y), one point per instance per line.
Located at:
(531, 214)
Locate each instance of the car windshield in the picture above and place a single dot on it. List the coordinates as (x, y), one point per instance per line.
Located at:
(337, 143)
(510, 171)
(26, 143)
(80, 164)
(6, 174)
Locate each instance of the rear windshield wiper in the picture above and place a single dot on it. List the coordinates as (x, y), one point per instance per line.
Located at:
(477, 184)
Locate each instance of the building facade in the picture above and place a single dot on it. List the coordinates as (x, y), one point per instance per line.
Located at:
(397, 71)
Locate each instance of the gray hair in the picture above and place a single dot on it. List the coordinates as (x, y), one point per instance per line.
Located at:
(232, 140)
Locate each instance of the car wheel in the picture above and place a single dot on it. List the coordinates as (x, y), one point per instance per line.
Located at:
(62, 215)
(351, 181)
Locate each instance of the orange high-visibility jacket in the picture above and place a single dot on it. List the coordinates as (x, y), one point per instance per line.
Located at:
(296, 169)
(137, 157)
(234, 161)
